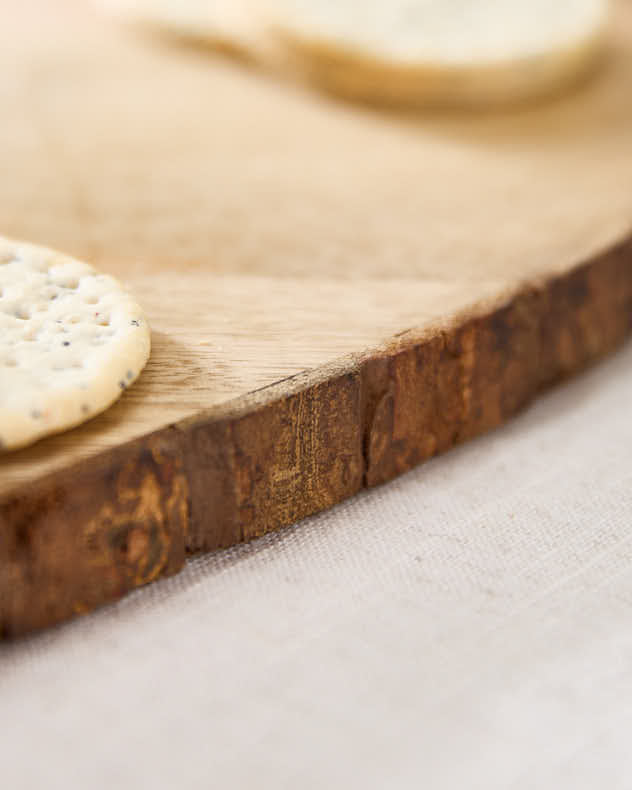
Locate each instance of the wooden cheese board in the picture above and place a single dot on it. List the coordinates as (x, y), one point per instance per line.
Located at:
(336, 294)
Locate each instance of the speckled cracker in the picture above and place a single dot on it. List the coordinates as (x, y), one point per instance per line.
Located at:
(457, 52)
(71, 340)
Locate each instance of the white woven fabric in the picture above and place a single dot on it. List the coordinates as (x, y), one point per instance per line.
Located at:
(467, 626)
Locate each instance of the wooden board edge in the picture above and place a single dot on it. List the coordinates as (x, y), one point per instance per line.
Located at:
(87, 535)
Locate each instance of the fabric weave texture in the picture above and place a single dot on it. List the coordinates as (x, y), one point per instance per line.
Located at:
(466, 626)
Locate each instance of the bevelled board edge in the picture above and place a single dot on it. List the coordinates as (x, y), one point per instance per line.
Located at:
(88, 534)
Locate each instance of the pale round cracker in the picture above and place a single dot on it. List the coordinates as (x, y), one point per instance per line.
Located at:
(71, 341)
(455, 52)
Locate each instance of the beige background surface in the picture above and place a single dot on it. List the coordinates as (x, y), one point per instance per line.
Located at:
(467, 626)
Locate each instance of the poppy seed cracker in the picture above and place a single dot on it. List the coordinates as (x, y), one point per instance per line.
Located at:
(447, 52)
(68, 337)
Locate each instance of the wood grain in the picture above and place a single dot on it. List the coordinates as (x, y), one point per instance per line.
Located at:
(335, 295)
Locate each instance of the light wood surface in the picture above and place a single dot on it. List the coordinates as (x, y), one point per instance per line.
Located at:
(270, 232)
(288, 231)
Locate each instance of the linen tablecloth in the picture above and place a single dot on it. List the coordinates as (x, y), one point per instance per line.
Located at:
(468, 625)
